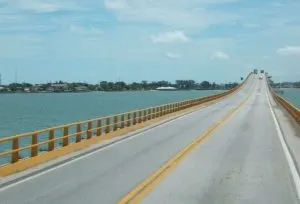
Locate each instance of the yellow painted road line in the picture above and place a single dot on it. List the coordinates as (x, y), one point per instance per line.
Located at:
(144, 188)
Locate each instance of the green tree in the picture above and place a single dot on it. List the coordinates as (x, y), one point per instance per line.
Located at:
(205, 85)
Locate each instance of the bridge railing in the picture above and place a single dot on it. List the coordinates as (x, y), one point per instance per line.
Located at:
(46, 140)
(289, 107)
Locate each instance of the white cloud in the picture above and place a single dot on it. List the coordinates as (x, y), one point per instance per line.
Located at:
(116, 4)
(170, 37)
(277, 4)
(173, 55)
(37, 6)
(289, 50)
(220, 56)
(175, 13)
(45, 6)
(91, 30)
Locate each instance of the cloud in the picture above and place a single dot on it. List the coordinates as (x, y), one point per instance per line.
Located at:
(175, 13)
(37, 6)
(90, 30)
(289, 50)
(116, 4)
(220, 56)
(170, 37)
(173, 55)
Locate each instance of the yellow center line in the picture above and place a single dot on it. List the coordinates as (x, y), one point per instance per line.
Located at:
(144, 188)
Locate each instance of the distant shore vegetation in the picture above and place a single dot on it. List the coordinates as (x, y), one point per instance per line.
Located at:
(61, 86)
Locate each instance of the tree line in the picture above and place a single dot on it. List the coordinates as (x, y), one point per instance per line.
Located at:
(61, 86)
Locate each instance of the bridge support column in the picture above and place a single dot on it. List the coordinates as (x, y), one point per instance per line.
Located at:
(107, 128)
(15, 146)
(34, 149)
(78, 132)
(51, 143)
(115, 123)
(128, 119)
(89, 130)
(99, 127)
(66, 139)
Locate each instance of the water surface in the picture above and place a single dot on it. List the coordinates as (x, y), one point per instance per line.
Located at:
(27, 112)
(292, 95)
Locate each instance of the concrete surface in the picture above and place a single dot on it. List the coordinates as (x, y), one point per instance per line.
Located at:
(242, 162)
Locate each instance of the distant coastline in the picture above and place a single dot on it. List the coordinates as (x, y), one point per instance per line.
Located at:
(104, 86)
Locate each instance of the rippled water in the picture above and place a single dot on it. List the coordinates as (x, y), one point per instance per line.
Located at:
(27, 112)
(293, 95)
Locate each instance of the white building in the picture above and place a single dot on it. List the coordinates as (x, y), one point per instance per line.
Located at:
(166, 88)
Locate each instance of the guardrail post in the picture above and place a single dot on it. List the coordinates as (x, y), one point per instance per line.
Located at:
(145, 116)
(78, 132)
(34, 149)
(153, 115)
(115, 122)
(107, 128)
(51, 143)
(140, 117)
(128, 119)
(99, 127)
(134, 118)
(157, 112)
(160, 111)
(66, 138)
(122, 121)
(89, 130)
(15, 146)
(149, 113)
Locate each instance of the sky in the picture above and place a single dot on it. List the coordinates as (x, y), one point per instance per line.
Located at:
(135, 40)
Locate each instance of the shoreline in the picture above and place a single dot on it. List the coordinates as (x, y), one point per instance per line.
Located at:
(62, 92)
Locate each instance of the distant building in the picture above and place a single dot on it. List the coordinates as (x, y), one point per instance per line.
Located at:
(81, 88)
(50, 89)
(166, 88)
(35, 88)
(2, 88)
(27, 90)
(59, 87)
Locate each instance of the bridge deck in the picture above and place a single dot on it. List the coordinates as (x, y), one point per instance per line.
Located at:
(242, 161)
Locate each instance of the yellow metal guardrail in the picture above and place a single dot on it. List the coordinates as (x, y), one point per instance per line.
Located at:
(61, 136)
(289, 107)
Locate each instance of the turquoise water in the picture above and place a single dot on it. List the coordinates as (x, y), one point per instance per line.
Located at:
(293, 95)
(27, 112)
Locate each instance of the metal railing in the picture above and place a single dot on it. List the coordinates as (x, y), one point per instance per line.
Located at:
(47, 140)
(289, 107)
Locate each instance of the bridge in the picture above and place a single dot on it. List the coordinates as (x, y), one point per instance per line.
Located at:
(235, 147)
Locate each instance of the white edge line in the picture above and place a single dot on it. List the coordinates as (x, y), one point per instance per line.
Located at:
(287, 153)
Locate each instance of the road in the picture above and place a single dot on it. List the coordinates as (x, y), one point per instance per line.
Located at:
(241, 161)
